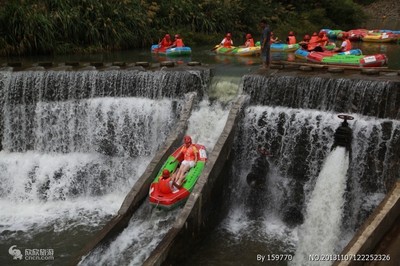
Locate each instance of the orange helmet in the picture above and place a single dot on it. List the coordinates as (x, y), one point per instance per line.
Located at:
(187, 139)
(248, 36)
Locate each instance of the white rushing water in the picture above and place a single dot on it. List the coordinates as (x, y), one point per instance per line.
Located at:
(147, 227)
(206, 123)
(320, 232)
(67, 166)
(287, 133)
(62, 189)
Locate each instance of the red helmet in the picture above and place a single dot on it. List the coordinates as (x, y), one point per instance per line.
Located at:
(187, 140)
(177, 36)
(248, 36)
(167, 36)
(314, 34)
(165, 173)
(291, 33)
(306, 37)
(228, 35)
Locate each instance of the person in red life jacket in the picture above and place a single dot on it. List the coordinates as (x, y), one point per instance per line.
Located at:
(346, 44)
(249, 41)
(273, 39)
(315, 43)
(314, 38)
(189, 152)
(291, 39)
(178, 42)
(323, 39)
(304, 43)
(227, 41)
(164, 182)
(165, 42)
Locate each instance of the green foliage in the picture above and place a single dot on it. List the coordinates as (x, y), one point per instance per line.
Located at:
(65, 26)
(344, 13)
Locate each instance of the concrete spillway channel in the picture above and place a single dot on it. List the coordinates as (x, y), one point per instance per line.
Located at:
(199, 207)
(200, 212)
(377, 241)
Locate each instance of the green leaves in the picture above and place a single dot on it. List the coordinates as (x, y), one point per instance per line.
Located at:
(65, 26)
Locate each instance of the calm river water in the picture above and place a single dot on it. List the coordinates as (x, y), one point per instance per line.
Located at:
(203, 54)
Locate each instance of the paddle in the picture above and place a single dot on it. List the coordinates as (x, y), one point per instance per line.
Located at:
(216, 47)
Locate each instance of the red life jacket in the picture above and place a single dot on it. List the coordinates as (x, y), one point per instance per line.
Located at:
(348, 46)
(178, 43)
(292, 39)
(227, 43)
(164, 185)
(189, 154)
(314, 39)
(249, 43)
(165, 43)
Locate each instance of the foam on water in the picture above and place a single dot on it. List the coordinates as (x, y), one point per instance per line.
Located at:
(145, 230)
(206, 123)
(85, 157)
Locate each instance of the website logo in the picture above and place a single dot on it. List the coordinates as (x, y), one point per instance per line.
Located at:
(16, 253)
(31, 254)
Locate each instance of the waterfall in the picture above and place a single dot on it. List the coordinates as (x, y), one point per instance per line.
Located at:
(299, 140)
(321, 230)
(105, 125)
(29, 87)
(26, 94)
(80, 149)
(74, 143)
(367, 97)
(148, 227)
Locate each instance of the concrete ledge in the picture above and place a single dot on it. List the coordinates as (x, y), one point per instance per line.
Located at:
(374, 229)
(199, 211)
(305, 68)
(140, 189)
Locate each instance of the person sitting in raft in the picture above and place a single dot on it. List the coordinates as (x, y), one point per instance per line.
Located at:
(164, 182)
(227, 41)
(304, 43)
(178, 42)
(323, 39)
(273, 39)
(314, 38)
(291, 39)
(189, 152)
(165, 42)
(346, 44)
(316, 42)
(249, 41)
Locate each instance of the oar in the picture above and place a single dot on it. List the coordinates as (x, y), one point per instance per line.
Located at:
(216, 47)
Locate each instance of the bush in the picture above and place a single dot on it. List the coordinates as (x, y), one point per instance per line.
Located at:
(67, 26)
